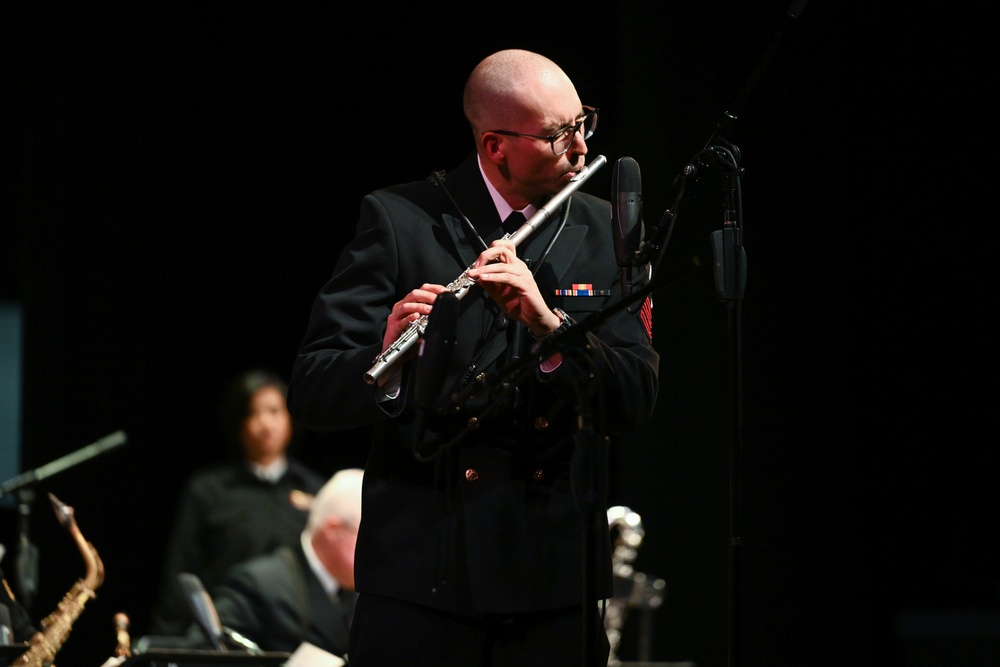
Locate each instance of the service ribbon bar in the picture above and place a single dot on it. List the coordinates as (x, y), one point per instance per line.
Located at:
(583, 289)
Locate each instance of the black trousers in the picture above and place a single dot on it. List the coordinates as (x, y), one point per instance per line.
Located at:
(387, 632)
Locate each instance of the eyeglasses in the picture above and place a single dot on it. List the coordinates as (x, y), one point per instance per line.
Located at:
(562, 139)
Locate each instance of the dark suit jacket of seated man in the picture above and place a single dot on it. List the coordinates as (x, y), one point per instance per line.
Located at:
(303, 593)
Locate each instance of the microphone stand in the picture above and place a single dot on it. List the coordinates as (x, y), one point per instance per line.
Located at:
(588, 478)
(103, 445)
(730, 281)
(26, 563)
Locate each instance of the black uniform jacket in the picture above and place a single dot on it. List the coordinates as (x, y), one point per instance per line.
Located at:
(493, 521)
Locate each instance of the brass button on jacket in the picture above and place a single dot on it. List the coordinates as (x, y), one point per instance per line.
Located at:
(471, 474)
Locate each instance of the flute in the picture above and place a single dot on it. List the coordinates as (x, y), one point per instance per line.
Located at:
(461, 285)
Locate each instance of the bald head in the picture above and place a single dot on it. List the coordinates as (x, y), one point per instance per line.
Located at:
(510, 85)
(340, 497)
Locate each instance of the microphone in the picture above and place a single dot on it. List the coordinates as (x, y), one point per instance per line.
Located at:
(202, 608)
(626, 217)
(6, 633)
(105, 444)
(207, 616)
(436, 348)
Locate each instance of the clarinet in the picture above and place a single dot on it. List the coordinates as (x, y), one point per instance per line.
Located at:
(461, 285)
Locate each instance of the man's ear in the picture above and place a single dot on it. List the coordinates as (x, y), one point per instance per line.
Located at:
(493, 147)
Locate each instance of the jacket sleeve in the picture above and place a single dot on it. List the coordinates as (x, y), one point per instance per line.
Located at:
(327, 391)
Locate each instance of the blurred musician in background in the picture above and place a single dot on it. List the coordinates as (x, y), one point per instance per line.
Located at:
(245, 506)
(298, 594)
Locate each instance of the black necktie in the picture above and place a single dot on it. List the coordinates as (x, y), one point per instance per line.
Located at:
(513, 222)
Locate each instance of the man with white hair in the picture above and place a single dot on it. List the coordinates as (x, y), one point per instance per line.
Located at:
(304, 594)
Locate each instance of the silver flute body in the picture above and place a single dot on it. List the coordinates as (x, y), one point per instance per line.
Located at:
(461, 285)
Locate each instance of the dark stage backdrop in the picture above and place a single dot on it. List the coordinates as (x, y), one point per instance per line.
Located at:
(181, 180)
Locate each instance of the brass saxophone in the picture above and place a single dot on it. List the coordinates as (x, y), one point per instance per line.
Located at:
(632, 589)
(627, 532)
(56, 626)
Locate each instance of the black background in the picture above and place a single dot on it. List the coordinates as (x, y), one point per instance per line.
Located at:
(180, 181)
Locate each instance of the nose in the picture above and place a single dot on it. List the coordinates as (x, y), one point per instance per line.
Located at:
(579, 146)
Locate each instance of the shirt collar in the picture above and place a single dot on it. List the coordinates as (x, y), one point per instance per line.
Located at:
(503, 208)
(330, 584)
(271, 473)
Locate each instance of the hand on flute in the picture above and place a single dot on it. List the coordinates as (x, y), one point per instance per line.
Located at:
(509, 282)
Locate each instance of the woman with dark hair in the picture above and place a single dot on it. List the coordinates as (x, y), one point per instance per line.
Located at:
(249, 504)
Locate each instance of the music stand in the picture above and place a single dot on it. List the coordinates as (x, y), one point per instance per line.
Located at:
(178, 657)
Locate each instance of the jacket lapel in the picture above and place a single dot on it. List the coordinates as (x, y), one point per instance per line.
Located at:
(467, 188)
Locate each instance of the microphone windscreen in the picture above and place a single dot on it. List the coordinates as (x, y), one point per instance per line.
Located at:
(6, 625)
(202, 608)
(626, 211)
(627, 175)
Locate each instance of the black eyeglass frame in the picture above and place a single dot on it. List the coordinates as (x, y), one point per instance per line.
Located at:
(588, 112)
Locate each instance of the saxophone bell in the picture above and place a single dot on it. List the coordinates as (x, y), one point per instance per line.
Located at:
(56, 626)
